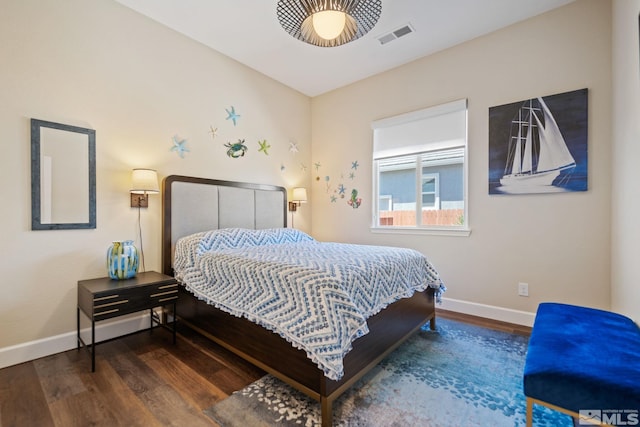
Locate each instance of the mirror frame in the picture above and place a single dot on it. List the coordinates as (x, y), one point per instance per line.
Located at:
(36, 223)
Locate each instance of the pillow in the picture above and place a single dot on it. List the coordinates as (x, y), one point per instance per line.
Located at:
(232, 238)
(190, 247)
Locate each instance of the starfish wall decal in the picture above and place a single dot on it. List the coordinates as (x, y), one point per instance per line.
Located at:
(232, 115)
(179, 146)
(213, 131)
(264, 146)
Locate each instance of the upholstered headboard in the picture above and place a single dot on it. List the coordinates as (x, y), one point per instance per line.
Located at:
(190, 205)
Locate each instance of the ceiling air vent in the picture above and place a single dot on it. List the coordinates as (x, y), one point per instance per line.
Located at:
(396, 34)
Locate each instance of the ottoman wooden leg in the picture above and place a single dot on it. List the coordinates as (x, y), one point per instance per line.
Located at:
(529, 412)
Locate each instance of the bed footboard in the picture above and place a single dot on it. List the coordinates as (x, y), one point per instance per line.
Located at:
(268, 351)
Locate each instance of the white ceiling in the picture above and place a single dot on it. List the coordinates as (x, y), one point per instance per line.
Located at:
(249, 32)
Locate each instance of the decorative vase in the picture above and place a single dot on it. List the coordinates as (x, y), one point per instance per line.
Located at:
(122, 260)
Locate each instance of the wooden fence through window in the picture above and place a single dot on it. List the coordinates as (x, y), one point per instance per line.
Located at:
(429, 217)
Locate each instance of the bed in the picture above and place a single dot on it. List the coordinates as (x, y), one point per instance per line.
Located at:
(199, 210)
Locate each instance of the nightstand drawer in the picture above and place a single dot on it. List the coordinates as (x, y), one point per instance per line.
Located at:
(111, 304)
(164, 294)
(124, 301)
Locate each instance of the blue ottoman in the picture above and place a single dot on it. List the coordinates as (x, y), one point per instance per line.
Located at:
(583, 359)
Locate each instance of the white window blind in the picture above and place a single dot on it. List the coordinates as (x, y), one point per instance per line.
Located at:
(435, 128)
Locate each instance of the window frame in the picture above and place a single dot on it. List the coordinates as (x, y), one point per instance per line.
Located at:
(388, 199)
(436, 188)
(452, 230)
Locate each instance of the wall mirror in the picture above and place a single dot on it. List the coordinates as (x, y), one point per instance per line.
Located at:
(63, 176)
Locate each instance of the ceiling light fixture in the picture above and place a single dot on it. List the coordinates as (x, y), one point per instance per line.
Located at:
(328, 23)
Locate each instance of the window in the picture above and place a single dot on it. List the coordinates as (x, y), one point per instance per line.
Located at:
(420, 170)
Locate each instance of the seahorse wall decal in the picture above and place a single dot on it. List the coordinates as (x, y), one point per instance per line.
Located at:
(354, 201)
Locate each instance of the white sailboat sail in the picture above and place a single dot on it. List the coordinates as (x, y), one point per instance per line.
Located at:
(517, 157)
(527, 161)
(554, 153)
(552, 156)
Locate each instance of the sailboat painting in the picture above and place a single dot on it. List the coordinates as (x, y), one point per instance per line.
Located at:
(539, 145)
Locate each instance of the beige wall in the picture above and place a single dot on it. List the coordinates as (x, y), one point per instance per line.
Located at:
(98, 64)
(625, 282)
(559, 243)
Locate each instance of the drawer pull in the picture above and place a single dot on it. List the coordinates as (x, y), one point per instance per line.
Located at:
(104, 298)
(174, 285)
(167, 299)
(124, 301)
(107, 312)
(164, 293)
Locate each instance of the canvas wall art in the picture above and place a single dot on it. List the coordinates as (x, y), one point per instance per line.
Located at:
(539, 145)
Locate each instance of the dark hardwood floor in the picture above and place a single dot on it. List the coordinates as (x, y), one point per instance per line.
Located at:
(486, 323)
(140, 380)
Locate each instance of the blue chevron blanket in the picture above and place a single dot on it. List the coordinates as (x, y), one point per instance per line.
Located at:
(315, 295)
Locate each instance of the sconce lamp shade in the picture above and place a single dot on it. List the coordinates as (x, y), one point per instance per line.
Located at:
(144, 181)
(299, 195)
(328, 23)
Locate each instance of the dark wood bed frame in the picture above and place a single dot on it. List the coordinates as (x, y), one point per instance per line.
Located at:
(270, 352)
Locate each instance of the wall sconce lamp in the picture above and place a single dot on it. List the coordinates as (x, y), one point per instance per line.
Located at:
(298, 196)
(143, 183)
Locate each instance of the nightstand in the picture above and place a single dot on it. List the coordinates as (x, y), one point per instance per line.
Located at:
(106, 298)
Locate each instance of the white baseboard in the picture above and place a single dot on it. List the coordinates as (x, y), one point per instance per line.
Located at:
(47, 346)
(488, 311)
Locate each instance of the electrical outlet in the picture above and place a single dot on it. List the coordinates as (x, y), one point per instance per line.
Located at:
(523, 289)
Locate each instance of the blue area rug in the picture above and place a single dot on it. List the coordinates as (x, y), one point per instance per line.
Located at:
(458, 375)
